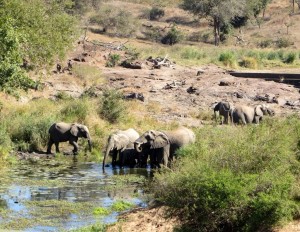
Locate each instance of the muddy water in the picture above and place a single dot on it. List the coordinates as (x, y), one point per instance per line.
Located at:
(82, 184)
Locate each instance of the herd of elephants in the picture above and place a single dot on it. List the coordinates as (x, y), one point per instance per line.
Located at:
(160, 146)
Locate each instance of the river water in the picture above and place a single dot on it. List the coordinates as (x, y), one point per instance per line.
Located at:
(50, 183)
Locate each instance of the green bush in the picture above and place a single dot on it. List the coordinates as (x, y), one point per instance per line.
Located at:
(192, 53)
(115, 21)
(30, 132)
(272, 56)
(235, 178)
(156, 13)
(283, 43)
(266, 43)
(75, 111)
(248, 62)
(228, 59)
(290, 58)
(113, 60)
(173, 36)
(112, 106)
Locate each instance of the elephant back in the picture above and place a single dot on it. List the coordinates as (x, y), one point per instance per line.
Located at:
(181, 136)
(132, 134)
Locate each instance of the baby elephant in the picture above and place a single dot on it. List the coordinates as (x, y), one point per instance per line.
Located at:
(63, 132)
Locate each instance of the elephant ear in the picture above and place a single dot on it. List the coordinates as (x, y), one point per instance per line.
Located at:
(74, 130)
(258, 110)
(121, 142)
(160, 140)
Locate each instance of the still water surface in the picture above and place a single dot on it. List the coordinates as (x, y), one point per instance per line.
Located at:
(76, 182)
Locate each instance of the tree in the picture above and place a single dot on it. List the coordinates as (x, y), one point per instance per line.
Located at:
(37, 31)
(217, 11)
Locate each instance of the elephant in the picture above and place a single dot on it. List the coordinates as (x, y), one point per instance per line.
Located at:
(225, 109)
(121, 142)
(246, 114)
(162, 145)
(63, 132)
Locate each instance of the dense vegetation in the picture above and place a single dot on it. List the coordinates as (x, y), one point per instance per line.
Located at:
(232, 178)
(32, 35)
(236, 178)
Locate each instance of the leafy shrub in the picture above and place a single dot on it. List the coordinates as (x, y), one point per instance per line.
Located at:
(111, 106)
(31, 132)
(62, 95)
(153, 34)
(228, 59)
(265, 43)
(113, 60)
(272, 56)
(121, 206)
(173, 36)
(248, 62)
(156, 13)
(192, 53)
(75, 111)
(283, 43)
(101, 211)
(290, 58)
(234, 179)
(116, 21)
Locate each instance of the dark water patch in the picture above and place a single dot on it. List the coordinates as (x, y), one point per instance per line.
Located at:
(53, 196)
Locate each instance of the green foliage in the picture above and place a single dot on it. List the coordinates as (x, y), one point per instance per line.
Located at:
(219, 12)
(11, 74)
(93, 228)
(119, 206)
(36, 31)
(113, 60)
(283, 42)
(30, 131)
(173, 36)
(228, 58)
(236, 178)
(115, 21)
(75, 111)
(100, 211)
(111, 107)
(192, 53)
(156, 13)
(290, 58)
(265, 43)
(62, 95)
(249, 62)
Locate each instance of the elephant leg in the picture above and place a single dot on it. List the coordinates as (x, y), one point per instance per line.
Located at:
(57, 147)
(166, 154)
(122, 158)
(243, 119)
(153, 158)
(50, 143)
(114, 158)
(75, 145)
(256, 119)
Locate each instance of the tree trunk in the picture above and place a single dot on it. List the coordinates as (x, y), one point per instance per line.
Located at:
(293, 6)
(217, 31)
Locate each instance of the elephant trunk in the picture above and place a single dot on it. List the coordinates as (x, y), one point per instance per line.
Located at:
(108, 149)
(89, 142)
(138, 147)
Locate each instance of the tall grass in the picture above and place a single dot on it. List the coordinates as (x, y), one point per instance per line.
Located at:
(236, 178)
(193, 55)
